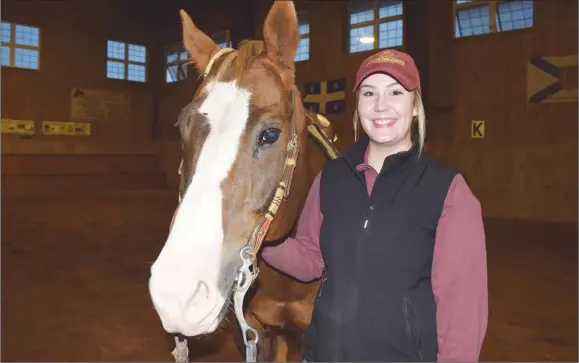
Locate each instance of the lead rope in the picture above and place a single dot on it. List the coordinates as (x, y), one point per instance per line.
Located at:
(249, 252)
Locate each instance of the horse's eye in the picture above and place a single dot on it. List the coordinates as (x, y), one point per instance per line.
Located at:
(268, 136)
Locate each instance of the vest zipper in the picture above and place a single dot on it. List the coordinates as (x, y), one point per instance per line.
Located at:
(349, 314)
(368, 216)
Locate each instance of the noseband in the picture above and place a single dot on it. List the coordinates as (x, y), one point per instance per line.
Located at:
(249, 271)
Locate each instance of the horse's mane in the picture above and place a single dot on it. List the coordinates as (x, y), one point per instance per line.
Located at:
(242, 58)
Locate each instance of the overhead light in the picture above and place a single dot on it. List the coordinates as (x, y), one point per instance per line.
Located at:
(367, 40)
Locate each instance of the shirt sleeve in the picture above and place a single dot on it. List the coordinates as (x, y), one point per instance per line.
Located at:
(300, 256)
(459, 276)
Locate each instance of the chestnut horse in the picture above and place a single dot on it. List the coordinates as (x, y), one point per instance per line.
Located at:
(247, 165)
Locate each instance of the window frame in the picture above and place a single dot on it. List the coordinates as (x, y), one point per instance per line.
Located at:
(126, 61)
(493, 15)
(12, 45)
(376, 21)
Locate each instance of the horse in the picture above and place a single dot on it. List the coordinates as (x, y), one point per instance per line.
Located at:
(248, 160)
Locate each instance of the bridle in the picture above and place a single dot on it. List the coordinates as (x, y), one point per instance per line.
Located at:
(248, 271)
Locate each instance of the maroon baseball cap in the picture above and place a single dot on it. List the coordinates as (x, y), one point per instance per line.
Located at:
(397, 64)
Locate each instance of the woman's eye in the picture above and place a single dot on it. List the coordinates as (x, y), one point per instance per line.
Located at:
(368, 94)
(268, 136)
(396, 92)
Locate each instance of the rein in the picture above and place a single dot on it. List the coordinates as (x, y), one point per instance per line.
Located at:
(249, 271)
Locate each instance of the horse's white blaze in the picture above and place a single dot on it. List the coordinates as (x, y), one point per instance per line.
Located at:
(183, 282)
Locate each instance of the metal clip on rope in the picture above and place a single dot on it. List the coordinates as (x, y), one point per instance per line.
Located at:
(244, 281)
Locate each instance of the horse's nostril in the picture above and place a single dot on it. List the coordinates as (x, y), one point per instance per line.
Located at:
(201, 293)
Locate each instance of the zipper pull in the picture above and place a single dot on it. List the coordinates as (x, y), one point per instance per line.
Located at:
(368, 216)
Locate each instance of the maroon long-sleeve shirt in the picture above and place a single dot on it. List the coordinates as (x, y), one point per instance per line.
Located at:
(459, 268)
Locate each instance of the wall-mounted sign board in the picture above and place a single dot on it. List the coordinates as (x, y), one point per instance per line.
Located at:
(18, 127)
(54, 128)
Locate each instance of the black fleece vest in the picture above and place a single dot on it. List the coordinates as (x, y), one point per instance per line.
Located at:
(376, 302)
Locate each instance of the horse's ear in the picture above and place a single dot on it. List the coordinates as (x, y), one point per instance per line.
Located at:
(280, 33)
(199, 46)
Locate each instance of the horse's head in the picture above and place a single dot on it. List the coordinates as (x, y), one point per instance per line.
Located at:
(235, 135)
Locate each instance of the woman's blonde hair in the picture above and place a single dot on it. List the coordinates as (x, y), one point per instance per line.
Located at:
(418, 127)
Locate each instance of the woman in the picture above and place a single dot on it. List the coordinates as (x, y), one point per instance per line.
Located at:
(396, 236)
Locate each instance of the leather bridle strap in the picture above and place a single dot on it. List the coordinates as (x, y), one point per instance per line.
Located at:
(214, 58)
(283, 189)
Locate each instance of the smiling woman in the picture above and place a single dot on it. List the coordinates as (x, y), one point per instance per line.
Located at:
(396, 235)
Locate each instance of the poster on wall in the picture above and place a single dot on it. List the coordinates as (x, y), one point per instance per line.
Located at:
(17, 127)
(552, 79)
(99, 105)
(57, 128)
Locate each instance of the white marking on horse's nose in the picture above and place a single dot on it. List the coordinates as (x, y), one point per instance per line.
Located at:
(184, 278)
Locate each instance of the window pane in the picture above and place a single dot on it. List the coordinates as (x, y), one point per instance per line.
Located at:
(5, 55)
(136, 73)
(514, 15)
(171, 57)
(390, 8)
(115, 50)
(137, 53)
(303, 52)
(473, 21)
(184, 56)
(390, 34)
(115, 70)
(6, 32)
(171, 74)
(26, 58)
(362, 39)
(361, 11)
(26, 35)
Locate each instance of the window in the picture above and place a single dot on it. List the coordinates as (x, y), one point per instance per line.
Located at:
(126, 61)
(176, 69)
(222, 39)
(20, 46)
(485, 16)
(375, 24)
(303, 53)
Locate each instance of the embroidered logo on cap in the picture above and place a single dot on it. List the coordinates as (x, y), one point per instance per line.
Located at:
(387, 57)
